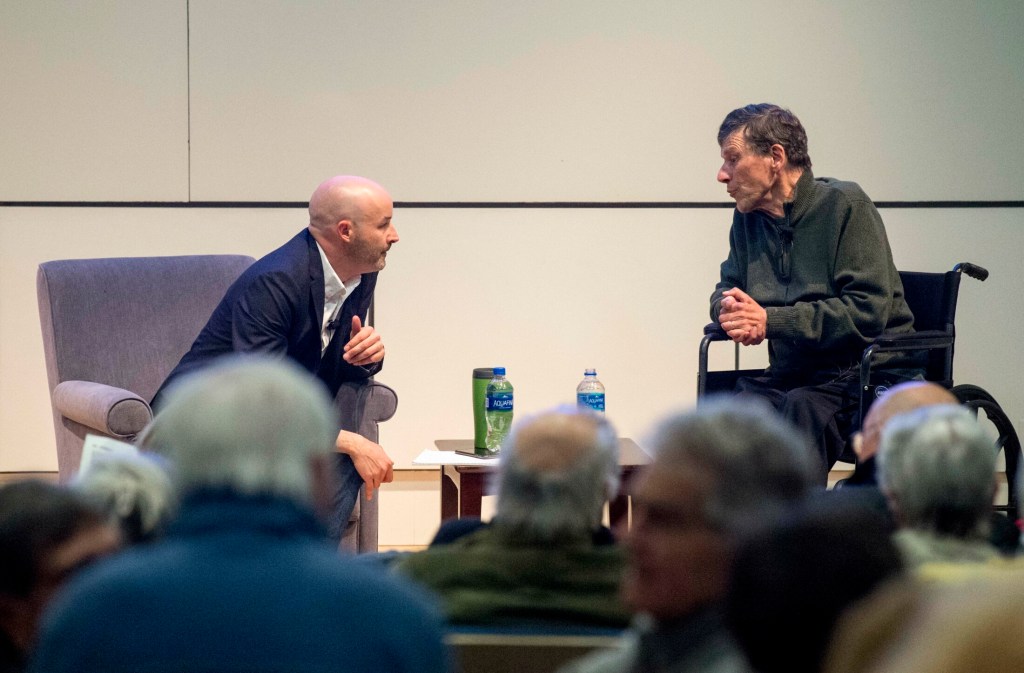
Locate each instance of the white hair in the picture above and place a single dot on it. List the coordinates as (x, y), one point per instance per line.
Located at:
(249, 423)
(939, 466)
(135, 491)
(550, 504)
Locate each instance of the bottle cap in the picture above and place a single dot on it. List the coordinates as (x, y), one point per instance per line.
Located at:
(499, 371)
(590, 372)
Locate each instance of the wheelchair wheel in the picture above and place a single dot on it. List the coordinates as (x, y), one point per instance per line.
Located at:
(978, 400)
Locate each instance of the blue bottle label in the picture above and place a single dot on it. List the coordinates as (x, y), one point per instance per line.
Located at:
(499, 402)
(593, 400)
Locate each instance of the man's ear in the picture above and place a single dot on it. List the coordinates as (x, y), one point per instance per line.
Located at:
(344, 228)
(779, 158)
(893, 501)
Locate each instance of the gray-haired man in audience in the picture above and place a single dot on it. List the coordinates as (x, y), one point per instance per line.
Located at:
(545, 555)
(716, 469)
(936, 467)
(243, 580)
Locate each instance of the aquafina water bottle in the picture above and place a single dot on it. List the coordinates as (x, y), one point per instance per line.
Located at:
(498, 410)
(590, 391)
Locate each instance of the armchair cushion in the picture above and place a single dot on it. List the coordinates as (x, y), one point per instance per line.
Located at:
(107, 409)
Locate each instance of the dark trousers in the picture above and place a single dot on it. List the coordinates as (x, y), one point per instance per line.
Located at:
(347, 484)
(826, 409)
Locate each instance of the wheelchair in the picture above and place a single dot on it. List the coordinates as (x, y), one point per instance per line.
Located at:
(932, 298)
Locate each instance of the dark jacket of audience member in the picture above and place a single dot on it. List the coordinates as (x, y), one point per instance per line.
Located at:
(245, 579)
(793, 579)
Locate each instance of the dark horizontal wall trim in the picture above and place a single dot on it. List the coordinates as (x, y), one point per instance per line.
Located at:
(479, 204)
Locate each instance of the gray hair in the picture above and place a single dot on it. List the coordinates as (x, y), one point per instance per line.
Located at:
(764, 125)
(939, 466)
(134, 491)
(550, 504)
(757, 462)
(249, 423)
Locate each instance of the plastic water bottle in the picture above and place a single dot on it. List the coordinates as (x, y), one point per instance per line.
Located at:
(498, 410)
(590, 391)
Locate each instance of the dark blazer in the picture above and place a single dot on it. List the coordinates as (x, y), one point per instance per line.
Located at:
(276, 306)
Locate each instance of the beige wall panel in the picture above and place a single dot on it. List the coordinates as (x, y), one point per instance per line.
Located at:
(95, 100)
(577, 100)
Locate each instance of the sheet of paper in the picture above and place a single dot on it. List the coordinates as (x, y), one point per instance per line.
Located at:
(433, 457)
(95, 446)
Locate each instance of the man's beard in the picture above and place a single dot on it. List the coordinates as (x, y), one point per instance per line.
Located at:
(366, 254)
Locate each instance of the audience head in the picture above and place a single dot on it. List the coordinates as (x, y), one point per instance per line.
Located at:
(937, 468)
(47, 533)
(251, 424)
(134, 490)
(556, 472)
(899, 399)
(716, 469)
(945, 628)
(794, 578)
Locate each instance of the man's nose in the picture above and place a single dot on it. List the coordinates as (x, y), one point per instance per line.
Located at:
(722, 175)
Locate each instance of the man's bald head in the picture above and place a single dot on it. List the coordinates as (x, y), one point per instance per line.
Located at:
(350, 218)
(898, 400)
(343, 197)
(553, 441)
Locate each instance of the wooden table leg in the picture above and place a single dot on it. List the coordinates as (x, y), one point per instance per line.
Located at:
(471, 493)
(449, 493)
(618, 509)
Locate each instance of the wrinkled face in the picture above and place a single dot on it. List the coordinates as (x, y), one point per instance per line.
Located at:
(678, 562)
(747, 176)
(373, 234)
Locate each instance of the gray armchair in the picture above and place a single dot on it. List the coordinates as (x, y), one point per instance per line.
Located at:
(114, 328)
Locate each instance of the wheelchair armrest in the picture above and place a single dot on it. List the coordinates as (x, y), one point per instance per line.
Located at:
(110, 410)
(924, 340)
(715, 332)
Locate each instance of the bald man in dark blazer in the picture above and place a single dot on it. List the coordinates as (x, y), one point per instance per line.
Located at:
(308, 301)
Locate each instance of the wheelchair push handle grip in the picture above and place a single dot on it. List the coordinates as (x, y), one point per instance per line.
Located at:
(972, 270)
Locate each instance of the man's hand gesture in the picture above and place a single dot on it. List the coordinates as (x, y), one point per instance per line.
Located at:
(742, 318)
(364, 346)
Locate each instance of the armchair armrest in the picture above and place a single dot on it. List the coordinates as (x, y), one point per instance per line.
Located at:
(363, 404)
(112, 411)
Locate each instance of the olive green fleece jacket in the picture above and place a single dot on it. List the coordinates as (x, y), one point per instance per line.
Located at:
(487, 577)
(823, 273)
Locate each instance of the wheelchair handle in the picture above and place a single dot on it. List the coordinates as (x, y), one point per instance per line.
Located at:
(972, 270)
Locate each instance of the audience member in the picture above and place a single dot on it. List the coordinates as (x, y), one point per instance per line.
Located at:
(716, 470)
(939, 628)
(936, 467)
(793, 579)
(899, 399)
(243, 580)
(134, 490)
(47, 533)
(545, 555)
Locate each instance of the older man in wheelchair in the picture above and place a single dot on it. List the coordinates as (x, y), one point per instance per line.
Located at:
(810, 270)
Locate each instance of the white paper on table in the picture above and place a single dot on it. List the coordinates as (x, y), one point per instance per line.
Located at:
(96, 446)
(433, 457)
